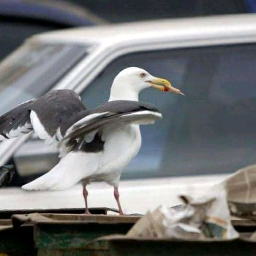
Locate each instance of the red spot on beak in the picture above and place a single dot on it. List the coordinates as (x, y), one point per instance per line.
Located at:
(166, 89)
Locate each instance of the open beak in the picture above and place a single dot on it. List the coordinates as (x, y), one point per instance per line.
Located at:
(164, 85)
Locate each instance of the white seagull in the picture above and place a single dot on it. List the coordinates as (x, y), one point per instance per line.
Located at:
(95, 145)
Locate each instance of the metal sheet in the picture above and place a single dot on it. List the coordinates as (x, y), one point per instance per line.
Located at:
(100, 210)
(76, 231)
(17, 241)
(78, 234)
(155, 247)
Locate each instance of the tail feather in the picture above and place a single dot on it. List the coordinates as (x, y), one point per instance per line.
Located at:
(53, 180)
(72, 168)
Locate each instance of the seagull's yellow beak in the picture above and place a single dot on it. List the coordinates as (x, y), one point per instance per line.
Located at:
(164, 85)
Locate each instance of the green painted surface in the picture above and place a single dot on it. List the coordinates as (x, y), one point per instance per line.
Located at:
(62, 235)
(66, 236)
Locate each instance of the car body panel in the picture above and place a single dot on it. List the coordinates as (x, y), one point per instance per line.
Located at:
(137, 196)
(176, 30)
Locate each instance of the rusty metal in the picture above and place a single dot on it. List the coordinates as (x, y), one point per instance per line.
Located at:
(49, 234)
(69, 234)
(164, 247)
(100, 210)
(76, 231)
(61, 234)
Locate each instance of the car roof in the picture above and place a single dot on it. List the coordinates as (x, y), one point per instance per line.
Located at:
(60, 12)
(173, 29)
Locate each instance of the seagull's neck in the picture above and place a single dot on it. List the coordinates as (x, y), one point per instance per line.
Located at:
(124, 94)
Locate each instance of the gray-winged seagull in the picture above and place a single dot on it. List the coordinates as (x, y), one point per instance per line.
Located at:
(95, 145)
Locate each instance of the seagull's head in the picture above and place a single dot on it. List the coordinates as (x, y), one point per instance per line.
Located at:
(130, 81)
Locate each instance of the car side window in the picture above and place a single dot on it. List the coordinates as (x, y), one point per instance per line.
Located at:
(153, 137)
(210, 130)
(214, 129)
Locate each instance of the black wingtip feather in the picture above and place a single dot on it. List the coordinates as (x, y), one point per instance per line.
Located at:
(16, 117)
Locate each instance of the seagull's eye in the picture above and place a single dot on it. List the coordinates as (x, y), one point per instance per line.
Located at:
(142, 75)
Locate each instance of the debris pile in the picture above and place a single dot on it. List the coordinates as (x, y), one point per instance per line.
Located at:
(241, 192)
(200, 217)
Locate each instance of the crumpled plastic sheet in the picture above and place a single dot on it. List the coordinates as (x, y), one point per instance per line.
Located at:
(204, 215)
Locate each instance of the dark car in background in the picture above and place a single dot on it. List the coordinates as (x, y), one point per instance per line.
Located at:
(135, 10)
(20, 19)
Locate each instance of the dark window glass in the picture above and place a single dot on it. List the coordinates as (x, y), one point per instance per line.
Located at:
(212, 129)
(33, 69)
(28, 73)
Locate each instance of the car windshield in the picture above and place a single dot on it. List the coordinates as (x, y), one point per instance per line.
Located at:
(33, 69)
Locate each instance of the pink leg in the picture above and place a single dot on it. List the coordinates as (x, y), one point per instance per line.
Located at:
(116, 195)
(85, 194)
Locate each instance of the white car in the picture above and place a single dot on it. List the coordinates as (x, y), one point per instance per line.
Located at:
(204, 136)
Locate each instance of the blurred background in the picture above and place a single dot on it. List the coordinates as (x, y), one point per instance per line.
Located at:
(20, 19)
(210, 132)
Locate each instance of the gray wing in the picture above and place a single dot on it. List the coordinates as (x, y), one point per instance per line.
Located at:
(115, 112)
(16, 122)
(53, 109)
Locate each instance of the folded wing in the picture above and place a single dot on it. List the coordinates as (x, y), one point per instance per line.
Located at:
(112, 113)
